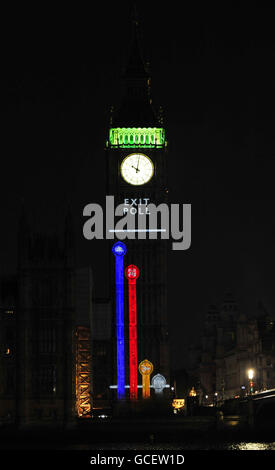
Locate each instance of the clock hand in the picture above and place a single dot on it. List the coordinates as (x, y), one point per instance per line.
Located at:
(135, 168)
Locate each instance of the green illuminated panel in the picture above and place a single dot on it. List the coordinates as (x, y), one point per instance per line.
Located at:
(128, 137)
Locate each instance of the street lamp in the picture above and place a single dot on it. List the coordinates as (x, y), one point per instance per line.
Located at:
(250, 374)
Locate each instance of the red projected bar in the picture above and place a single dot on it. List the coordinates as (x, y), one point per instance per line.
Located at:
(132, 273)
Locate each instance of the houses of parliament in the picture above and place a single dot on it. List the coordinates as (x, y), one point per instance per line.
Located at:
(57, 359)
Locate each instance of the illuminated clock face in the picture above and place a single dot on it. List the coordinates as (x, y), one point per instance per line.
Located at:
(137, 169)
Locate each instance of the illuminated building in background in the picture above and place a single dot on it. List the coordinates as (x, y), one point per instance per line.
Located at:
(132, 273)
(231, 343)
(145, 368)
(119, 250)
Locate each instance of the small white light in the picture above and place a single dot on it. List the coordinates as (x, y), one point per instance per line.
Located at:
(250, 373)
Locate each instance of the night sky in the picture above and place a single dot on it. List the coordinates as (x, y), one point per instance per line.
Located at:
(213, 73)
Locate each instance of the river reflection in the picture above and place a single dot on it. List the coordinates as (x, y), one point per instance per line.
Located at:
(198, 445)
(254, 446)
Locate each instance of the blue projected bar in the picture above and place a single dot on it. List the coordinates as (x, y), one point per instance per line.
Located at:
(119, 250)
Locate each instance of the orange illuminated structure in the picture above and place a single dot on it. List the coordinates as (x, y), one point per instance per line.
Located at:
(83, 372)
(192, 392)
(178, 403)
(146, 368)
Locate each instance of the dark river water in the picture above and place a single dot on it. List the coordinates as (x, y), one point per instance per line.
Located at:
(197, 445)
(131, 438)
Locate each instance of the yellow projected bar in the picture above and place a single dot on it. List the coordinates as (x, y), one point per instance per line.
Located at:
(146, 368)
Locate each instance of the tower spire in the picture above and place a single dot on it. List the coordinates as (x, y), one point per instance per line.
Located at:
(136, 108)
(134, 14)
(135, 67)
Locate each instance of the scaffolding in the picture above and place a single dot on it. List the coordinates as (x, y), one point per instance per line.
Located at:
(83, 372)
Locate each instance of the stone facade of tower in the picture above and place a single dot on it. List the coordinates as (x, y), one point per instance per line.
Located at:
(137, 129)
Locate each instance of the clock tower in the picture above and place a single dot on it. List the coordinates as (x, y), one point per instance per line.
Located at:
(136, 154)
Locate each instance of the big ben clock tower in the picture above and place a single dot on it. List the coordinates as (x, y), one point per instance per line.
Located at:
(136, 153)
